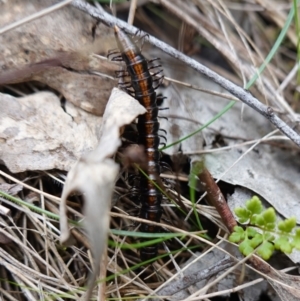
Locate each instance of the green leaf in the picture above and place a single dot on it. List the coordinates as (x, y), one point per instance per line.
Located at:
(253, 219)
(243, 220)
(281, 226)
(237, 235)
(242, 214)
(287, 248)
(239, 229)
(287, 225)
(269, 215)
(254, 205)
(251, 232)
(270, 226)
(263, 231)
(256, 240)
(245, 247)
(296, 240)
(259, 220)
(283, 244)
(290, 224)
(269, 236)
(265, 250)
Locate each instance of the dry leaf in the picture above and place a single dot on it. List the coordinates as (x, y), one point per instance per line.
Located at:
(11, 189)
(36, 133)
(95, 175)
(57, 38)
(263, 170)
(286, 286)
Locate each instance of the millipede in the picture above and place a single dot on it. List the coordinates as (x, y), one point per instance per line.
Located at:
(144, 85)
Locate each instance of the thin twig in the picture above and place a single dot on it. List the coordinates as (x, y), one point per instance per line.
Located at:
(216, 198)
(191, 279)
(235, 90)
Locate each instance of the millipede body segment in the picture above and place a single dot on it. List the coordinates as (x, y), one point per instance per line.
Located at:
(142, 84)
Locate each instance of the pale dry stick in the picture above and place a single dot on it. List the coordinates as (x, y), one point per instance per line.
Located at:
(34, 275)
(93, 275)
(163, 268)
(172, 259)
(102, 275)
(27, 256)
(243, 35)
(129, 280)
(42, 261)
(239, 64)
(118, 289)
(40, 292)
(288, 78)
(270, 89)
(228, 291)
(118, 250)
(209, 212)
(58, 260)
(15, 90)
(197, 204)
(9, 229)
(7, 295)
(161, 288)
(56, 200)
(281, 101)
(181, 83)
(27, 211)
(26, 286)
(237, 91)
(47, 195)
(246, 39)
(173, 177)
(184, 245)
(133, 5)
(225, 148)
(44, 224)
(244, 154)
(23, 267)
(172, 229)
(255, 7)
(231, 45)
(226, 214)
(181, 12)
(286, 270)
(203, 209)
(35, 16)
(218, 279)
(194, 278)
(63, 266)
(39, 225)
(278, 17)
(54, 177)
(188, 15)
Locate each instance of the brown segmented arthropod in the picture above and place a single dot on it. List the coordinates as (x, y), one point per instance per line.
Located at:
(143, 85)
